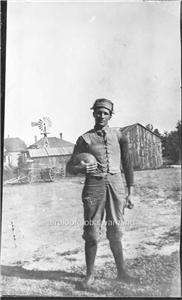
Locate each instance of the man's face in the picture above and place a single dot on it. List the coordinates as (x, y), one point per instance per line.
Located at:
(102, 116)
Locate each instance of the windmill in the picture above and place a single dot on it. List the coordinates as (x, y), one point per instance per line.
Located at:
(44, 125)
(46, 173)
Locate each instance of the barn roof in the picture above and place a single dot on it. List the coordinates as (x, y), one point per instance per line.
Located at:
(54, 142)
(14, 145)
(126, 128)
(48, 151)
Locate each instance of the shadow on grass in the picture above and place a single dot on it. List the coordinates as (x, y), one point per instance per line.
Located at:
(18, 271)
(69, 252)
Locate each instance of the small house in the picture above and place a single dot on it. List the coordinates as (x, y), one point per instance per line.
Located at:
(13, 149)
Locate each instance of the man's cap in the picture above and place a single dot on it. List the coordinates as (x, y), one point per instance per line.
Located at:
(103, 103)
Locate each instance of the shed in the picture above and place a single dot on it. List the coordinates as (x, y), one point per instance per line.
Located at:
(145, 146)
(55, 155)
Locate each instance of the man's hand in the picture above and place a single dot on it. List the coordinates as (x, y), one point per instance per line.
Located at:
(129, 204)
(89, 168)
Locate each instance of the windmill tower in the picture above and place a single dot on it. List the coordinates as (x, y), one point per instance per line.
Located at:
(46, 173)
(44, 125)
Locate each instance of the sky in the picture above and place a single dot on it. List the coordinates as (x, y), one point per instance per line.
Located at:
(61, 56)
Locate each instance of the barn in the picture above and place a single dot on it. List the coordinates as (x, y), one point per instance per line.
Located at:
(145, 147)
(55, 155)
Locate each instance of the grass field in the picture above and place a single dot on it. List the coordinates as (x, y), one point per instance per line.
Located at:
(46, 258)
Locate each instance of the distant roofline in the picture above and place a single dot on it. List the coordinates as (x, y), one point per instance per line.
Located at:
(49, 151)
(20, 145)
(125, 127)
(50, 137)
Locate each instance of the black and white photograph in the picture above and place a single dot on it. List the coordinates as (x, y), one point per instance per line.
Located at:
(91, 149)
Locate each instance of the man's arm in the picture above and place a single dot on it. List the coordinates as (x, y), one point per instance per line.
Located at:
(127, 163)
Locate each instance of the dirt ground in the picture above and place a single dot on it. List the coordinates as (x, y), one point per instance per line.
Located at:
(42, 248)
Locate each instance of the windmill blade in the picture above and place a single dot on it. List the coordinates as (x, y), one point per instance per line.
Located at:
(47, 122)
(33, 124)
(41, 124)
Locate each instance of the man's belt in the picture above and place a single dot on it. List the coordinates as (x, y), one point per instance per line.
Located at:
(100, 175)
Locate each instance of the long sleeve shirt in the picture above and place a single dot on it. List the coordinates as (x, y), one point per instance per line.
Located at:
(110, 149)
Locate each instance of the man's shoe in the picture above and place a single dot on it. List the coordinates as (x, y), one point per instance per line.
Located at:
(125, 277)
(87, 282)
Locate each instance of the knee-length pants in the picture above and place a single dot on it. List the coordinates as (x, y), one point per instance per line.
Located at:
(99, 195)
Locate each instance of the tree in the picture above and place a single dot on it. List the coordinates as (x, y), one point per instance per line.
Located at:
(149, 126)
(171, 144)
(156, 131)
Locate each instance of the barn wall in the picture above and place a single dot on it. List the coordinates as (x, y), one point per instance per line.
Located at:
(145, 148)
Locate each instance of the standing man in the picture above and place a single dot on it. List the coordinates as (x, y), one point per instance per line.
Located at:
(103, 189)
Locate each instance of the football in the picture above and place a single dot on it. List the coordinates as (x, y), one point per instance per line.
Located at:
(86, 157)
